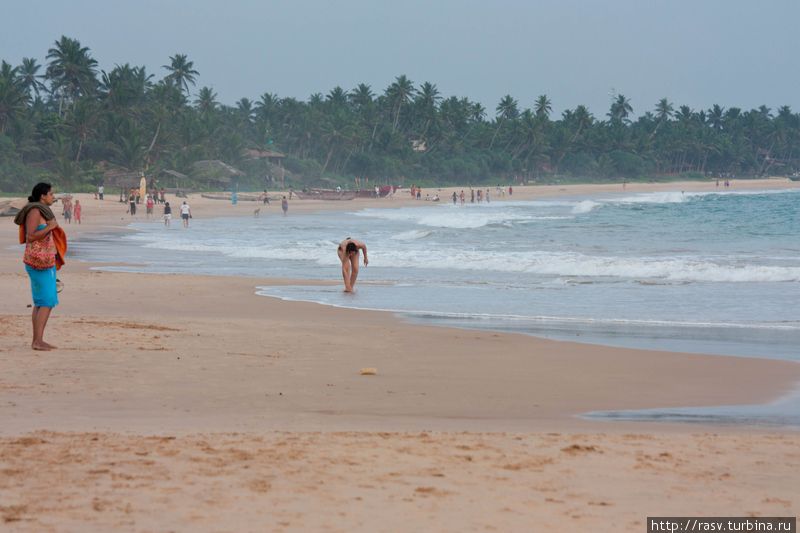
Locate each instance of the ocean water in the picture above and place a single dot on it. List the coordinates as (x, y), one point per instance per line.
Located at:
(696, 272)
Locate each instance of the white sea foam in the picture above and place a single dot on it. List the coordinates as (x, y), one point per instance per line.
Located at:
(584, 206)
(412, 235)
(712, 268)
(581, 265)
(470, 217)
(672, 197)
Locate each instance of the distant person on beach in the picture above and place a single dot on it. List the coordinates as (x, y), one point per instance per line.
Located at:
(462, 196)
(167, 214)
(149, 206)
(284, 205)
(100, 191)
(186, 214)
(77, 211)
(67, 210)
(455, 197)
(132, 204)
(265, 198)
(348, 252)
(39, 229)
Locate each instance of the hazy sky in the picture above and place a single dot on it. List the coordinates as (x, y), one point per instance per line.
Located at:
(694, 52)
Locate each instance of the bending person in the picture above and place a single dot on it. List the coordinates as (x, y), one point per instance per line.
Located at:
(348, 254)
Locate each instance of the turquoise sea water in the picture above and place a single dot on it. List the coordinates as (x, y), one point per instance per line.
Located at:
(697, 272)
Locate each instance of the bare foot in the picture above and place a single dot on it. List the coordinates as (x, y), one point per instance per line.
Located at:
(348, 290)
(40, 347)
(50, 345)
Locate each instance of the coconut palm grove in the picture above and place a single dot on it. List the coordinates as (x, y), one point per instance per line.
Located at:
(71, 122)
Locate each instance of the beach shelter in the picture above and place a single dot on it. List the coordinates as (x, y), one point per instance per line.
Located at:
(143, 187)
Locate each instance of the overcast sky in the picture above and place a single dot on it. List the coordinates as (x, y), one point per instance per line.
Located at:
(694, 52)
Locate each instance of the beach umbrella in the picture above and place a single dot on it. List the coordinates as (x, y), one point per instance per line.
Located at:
(143, 187)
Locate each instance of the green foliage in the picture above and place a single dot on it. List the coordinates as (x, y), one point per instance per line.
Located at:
(72, 122)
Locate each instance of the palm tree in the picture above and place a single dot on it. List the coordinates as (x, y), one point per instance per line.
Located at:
(398, 94)
(13, 96)
(29, 74)
(620, 110)
(337, 98)
(506, 110)
(426, 105)
(716, 116)
(124, 89)
(684, 113)
(664, 112)
(361, 96)
(581, 120)
(267, 106)
(206, 101)
(245, 109)
(543, 107)
(81, 123)
(71, 71)
(182, 71)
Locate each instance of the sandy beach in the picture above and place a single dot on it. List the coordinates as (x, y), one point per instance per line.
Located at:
(189, 403)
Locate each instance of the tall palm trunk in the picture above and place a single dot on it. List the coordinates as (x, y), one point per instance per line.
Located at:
(327, 160)
(499, 124)
(153, 142)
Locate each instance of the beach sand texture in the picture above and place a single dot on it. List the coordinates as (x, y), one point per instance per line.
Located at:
(188, 403)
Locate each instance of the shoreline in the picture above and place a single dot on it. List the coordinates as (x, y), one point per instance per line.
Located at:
(135, 308)
(188, 402)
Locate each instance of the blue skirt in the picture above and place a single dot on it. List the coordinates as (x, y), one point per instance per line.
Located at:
(43, 286)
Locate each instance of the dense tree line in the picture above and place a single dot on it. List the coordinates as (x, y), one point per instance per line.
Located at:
(63, 118)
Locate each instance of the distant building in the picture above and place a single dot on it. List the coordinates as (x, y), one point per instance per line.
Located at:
(418, 145)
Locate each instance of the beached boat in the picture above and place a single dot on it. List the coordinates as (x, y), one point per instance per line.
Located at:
(325, 194)
(7, 209)
(227, 196)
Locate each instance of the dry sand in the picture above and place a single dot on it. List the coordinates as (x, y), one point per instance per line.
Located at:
(170, 408)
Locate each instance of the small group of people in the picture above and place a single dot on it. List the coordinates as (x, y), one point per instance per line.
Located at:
(185, 210)
(70, 210)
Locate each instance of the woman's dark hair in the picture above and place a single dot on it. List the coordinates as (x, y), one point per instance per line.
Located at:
(39, 190)
(351, 247)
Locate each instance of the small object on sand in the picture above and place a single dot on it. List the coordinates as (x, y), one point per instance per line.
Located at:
(369, 371)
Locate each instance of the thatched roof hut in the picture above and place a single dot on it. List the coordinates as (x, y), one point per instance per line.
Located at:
(121, 177)
(214, 172)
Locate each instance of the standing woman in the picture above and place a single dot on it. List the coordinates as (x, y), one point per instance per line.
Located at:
(37, 226)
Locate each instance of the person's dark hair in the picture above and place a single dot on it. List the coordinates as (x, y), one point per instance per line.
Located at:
(39, 190)
(351, 247)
